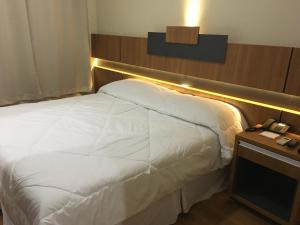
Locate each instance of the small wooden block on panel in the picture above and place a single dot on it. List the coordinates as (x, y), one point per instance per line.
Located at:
(106, 47)
(103, 77)
(182, 35)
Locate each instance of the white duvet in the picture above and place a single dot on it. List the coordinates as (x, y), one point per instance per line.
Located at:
(102, 158)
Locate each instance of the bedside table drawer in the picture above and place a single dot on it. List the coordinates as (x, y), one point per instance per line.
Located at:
(269, 159)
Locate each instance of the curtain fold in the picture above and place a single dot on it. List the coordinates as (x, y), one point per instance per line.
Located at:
(18, 75)
(44, 49)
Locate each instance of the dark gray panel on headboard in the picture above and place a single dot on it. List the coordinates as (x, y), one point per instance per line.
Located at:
(210, 48)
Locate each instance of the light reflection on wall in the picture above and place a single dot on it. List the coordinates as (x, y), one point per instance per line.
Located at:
(93, 62)
(192, 13)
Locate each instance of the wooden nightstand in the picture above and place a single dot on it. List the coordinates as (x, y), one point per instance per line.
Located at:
(265, 177)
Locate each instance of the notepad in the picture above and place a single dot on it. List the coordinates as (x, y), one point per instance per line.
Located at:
(269, 134)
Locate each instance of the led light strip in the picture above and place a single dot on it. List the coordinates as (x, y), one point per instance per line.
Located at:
(200, 90)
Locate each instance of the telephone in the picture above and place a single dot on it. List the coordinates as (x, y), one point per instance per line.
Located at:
(272, 125)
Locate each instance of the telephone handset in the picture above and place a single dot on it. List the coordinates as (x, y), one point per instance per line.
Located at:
(268, 123)
(272, 125)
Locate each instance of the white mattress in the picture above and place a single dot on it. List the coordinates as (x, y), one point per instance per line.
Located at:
(96, 159)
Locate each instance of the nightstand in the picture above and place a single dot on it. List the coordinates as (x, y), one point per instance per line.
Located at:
(265, 177)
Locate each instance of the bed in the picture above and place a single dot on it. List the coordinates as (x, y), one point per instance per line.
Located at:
(133, 153)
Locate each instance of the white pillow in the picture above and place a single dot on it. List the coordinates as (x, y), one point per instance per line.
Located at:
(224, 119)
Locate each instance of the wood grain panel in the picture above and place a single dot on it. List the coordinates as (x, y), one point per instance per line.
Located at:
(270, 144)
(103, 77)
(296, 207)
(263, 67)
(255, 114)
(293, 88)
(293, 81)
(106, 47)
(293, 120)
(182, 35)
(134, 52)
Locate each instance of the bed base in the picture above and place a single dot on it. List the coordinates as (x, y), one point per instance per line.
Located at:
(166, 210)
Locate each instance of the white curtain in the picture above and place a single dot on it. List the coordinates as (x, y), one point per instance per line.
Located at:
(44, 49)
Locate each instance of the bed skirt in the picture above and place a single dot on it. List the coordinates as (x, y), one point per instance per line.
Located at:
(166, 210)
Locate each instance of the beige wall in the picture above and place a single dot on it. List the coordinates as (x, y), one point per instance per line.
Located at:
(267, 22)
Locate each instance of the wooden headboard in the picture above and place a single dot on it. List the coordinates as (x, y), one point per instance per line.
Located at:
(264, 67)
(292, 87)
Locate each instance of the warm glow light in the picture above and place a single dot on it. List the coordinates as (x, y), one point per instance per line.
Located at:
(94, 63)
(192, 13)
(185, 85)
(201, 90)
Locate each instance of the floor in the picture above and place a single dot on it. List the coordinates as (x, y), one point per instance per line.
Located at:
(219, 210)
